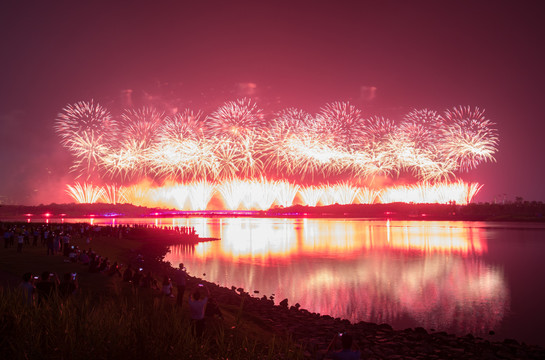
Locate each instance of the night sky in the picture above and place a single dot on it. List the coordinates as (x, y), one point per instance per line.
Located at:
(199, 54)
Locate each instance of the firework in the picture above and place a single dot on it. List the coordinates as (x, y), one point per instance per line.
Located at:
(86, 118)
(200, 194)
(113, 194)
(341, 123)
(459, 192)
(235, 119)
(85, 194)
(311, 195)
(367, 196)
(237, 147)
(285, 193)
(469, 137)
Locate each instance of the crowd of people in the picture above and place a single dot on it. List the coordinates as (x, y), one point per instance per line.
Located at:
(62, 239)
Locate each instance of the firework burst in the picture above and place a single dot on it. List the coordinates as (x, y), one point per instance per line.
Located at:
(469, 137)
(236, 147)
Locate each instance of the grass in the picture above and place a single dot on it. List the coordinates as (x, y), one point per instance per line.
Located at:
(110, 319)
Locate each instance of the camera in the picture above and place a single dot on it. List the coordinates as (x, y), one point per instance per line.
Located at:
(341, 334)
(74, 276)
(201, 285)
(51, 274)
(35, 277)
(140, 269)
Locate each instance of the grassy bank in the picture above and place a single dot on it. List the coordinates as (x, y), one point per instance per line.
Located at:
(108, 318)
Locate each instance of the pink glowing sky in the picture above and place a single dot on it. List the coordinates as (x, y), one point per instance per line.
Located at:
(198, 54)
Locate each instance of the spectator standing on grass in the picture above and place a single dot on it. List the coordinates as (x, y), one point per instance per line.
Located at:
(167, 287)
(66, 244)
(28, 289)
(127, 274)
(197, 308)
(20, 240)
(35, 234)
(50, 243)
(47, 286)
(7, 236)
(84, 258)
(181, 279)
(68, 286)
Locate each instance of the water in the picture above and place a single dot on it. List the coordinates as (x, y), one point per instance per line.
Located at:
(459, 277)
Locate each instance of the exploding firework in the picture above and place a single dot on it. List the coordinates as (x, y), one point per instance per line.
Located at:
(86, 118)
(235, 119)
(233, 150)
(469, 137)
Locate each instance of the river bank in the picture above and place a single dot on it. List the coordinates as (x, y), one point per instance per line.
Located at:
(311, 331)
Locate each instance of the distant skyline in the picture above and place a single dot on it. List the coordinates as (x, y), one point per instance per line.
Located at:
(386, 58)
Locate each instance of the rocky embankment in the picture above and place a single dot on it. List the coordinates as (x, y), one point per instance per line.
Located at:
(314, 332)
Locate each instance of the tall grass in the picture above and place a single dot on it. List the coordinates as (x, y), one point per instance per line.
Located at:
(121, 327)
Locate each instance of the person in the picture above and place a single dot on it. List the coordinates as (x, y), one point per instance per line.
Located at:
(347, 352)
(47, 286)
(114, 269)
(127, 274)
(181, 276)
(167, 287)
(197, 308)
(212, 309)
(84, 258)
(68, 286)
(20, 241)
(28, 289)
(149, 282)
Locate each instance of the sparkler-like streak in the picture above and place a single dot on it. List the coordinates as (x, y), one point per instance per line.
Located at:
(86, 193)
(297, 152)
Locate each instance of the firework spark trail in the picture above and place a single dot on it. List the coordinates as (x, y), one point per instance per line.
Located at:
(460, 192)
(311, 195)
(367, 196)
(261, 194)
(344, 193)
(200, 194)
(113, 194)
(233, 192)
(285, 193)
(86, 193)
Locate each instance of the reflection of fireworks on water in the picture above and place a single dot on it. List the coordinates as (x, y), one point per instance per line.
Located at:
(293, 148)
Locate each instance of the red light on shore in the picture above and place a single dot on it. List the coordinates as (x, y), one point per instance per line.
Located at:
(28, 215)
(47, 214)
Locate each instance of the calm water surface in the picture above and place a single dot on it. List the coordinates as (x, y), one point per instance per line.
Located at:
(459, 277)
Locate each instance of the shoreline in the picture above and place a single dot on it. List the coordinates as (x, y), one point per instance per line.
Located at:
(313, 331)
(508, 212)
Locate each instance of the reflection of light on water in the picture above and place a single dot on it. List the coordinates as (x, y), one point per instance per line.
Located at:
(429, 272)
